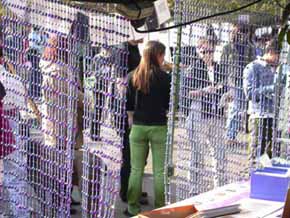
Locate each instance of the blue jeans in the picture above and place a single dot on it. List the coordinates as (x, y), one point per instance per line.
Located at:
(206, 140)
(233, 123)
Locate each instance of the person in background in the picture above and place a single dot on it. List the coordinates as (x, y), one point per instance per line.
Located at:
(12, 96)
(6, 135)
(282, 89)
(57, 91)
(262, 38)
(235, 56)
(11, 45)
(99, 97)
(54, 76)
(1, 54)
(1, 44)
(12, 100)
(148, 97)
(2, 92)
(259, 79)
(36, 45)
(103, 68)
(205, 121)
(134, 58)
(79, 35)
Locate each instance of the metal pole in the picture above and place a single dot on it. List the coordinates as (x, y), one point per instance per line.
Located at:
(169, 165)
(279, 140)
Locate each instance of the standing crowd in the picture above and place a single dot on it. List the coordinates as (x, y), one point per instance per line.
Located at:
(222, 99)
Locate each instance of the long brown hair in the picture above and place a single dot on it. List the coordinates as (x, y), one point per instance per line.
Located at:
(148, 65)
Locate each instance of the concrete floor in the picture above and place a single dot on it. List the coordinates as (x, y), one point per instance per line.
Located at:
(121, 206)
(147, 187)
(148, 181)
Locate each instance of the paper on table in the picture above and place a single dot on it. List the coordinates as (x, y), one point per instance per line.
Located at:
(223, 196)
(233, 194)
(254, 208)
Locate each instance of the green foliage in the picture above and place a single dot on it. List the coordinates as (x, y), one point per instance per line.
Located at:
(225, 5)
(171, 4)
(263, 13)
(270, 9)
(282, 34)
(1, 10)
(286, 14)
(285, 28)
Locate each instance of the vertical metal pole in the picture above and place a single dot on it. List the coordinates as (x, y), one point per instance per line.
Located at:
(169, 166)
(277, 140)
(71, 116)
(277, 96)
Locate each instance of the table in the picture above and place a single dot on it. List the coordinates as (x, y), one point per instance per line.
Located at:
(236, 193)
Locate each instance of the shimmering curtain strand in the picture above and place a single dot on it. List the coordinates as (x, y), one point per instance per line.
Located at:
(104, 109)
(217, 139)
(69, 61)
(69, 106)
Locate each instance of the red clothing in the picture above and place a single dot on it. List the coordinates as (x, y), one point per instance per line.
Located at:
(7, 139)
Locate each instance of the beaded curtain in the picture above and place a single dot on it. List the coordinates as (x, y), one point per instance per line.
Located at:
(63, 115)
(65, 69)
(216, 138)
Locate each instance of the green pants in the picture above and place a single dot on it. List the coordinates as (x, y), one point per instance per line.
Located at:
(140, 137)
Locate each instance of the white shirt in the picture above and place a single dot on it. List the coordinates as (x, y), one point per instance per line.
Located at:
(15, 90)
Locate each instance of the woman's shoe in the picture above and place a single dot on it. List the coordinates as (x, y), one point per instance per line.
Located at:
(143, 201)
(73, 211)
(144, 194)
(127, 213)
(75, 203)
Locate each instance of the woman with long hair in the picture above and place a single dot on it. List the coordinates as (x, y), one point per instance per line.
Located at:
(147, 105)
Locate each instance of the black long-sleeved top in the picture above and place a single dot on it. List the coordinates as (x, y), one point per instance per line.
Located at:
(151, 108)
(2, 91)
(134, 57)
(198, 78)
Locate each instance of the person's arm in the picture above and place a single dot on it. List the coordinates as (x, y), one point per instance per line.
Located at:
(130, 94)
(206, 90)
(196, 84)
(130, 118)
(233, 126)
(130, 103)
(81, 99)
(253, 89)
(269, 89)
(121, 85)
(249, 86)
(168, 67)
(167, 91)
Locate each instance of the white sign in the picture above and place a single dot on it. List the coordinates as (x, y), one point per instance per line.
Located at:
(162, 11)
